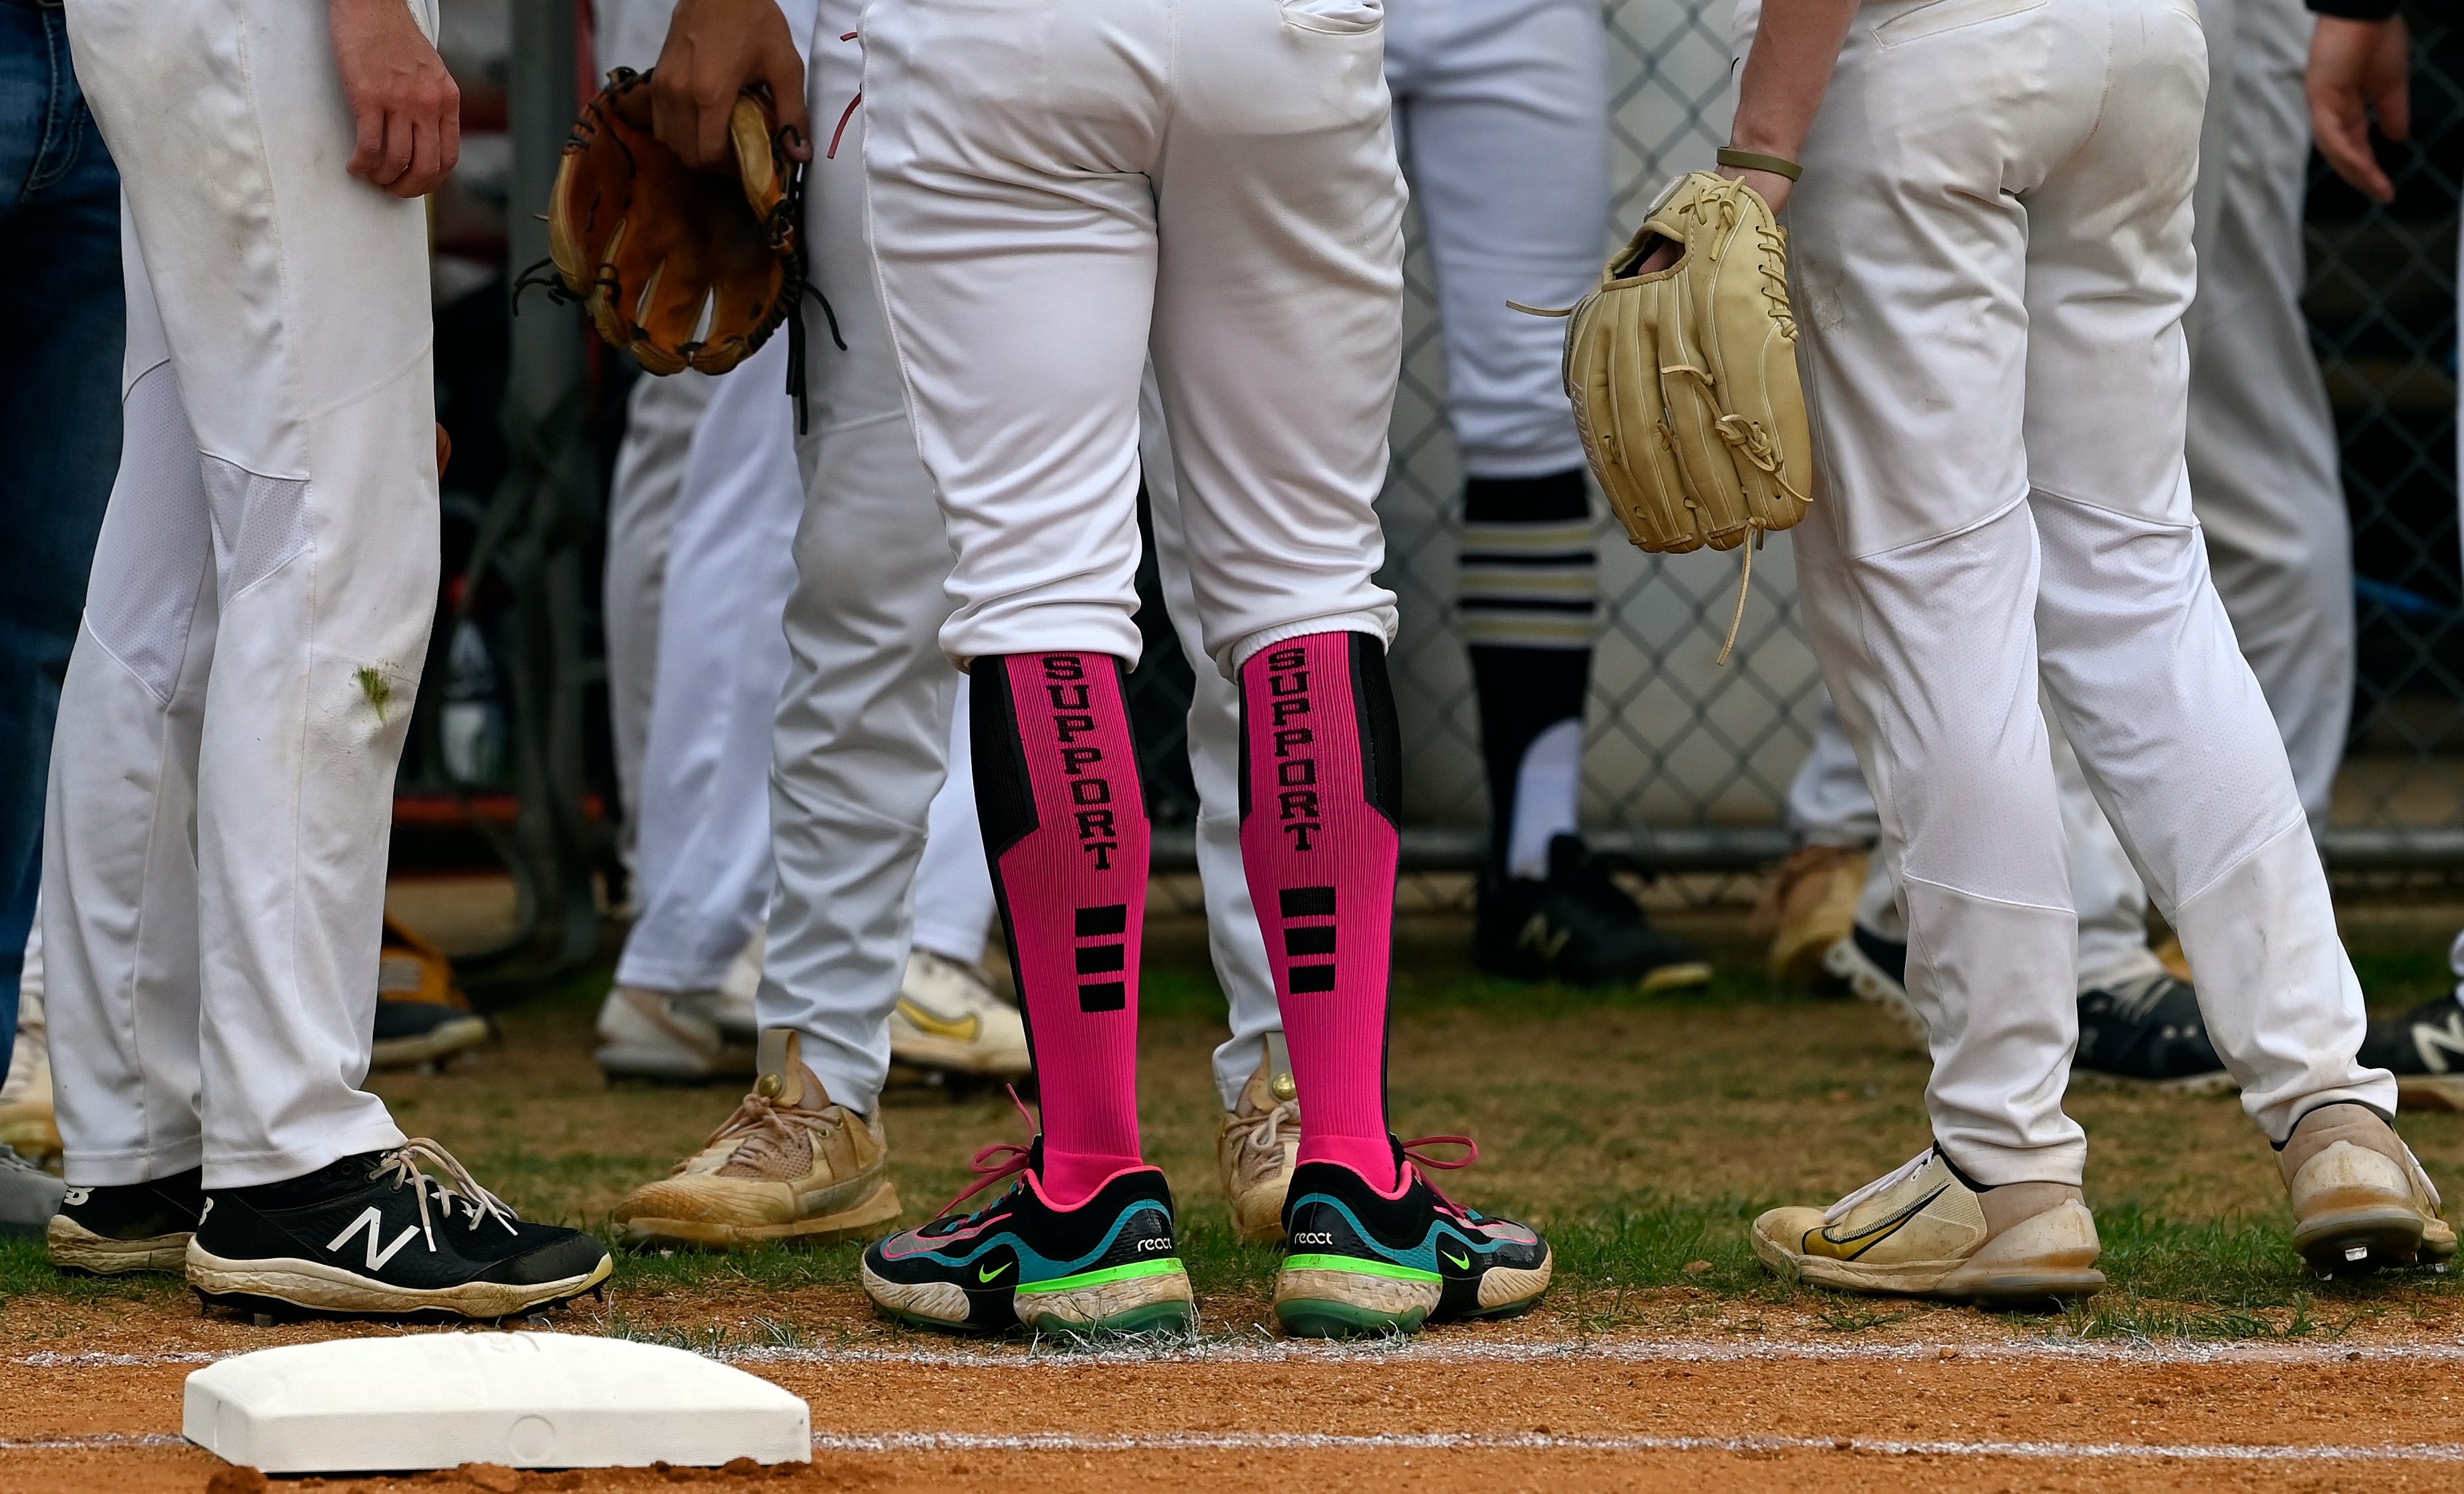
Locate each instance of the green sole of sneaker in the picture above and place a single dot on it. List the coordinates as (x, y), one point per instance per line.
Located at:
(1154, 1317)
(1306, 1318)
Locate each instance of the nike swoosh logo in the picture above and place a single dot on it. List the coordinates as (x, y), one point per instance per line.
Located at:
(983, 1275)
(1463, 1264)
(1848, 1247)
(961, 1028)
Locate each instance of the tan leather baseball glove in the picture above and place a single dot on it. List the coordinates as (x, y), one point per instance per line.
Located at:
(683, 269)
(1683, 380)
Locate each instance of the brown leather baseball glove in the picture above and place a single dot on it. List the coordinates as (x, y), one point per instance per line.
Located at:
(683, 269)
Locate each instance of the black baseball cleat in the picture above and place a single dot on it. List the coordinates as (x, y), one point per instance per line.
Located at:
(1362, 1262)
(1577, 926)
(129, 1227)
(2148, 1034)
(1109, 1266)
(374, 1236)
(2424, 1048)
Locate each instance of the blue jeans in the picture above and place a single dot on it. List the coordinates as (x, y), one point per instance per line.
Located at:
(59, 422)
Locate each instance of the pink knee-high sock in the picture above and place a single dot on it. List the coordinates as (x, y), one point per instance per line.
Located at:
(1321, 775)
(1064, 826)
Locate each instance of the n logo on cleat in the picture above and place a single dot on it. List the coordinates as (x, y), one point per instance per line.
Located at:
(1537, 938)
(373, 1221)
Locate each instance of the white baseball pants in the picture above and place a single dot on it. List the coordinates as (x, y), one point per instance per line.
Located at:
(221, 790)
(1992, 261)
(1502, 113)
(659, 419)
(864, 724)
(1057, 190)
(702, 851)
(2261, 452)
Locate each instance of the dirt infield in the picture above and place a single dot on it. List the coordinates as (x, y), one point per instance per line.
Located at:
(1509, 1411)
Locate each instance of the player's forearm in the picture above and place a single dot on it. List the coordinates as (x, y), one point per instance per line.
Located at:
(1795, 49)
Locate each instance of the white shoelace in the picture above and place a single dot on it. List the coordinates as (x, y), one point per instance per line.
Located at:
(404, 1163)
(1882, 1184)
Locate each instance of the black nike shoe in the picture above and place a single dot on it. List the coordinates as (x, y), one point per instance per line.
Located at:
(2424, 1048)
(1109, 1266)
(1361, 1263)
(2148, 1034)
(127, 1228)
(373, 1236)
(1577, 926)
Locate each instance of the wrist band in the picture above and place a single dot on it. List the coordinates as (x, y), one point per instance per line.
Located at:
(1757, 160)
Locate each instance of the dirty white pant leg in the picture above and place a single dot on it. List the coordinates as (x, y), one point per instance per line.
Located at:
(659, 419)
(1918, 562)
(294, 301)
(864, 723)
(955, 906)
(2261, 440)
(1234, 938)
(704, 860)
(2139, 657)
(121, 952)
(1502, 111)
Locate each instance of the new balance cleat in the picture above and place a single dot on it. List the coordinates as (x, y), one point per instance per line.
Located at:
(1923, 1230)
(789, 1164)
(1363, 1263)
(373, 1235)
(1110, 1265)
(2424, 1048)
(1876, 969)
(949, 1018)
(1257, 1145)
(1576, 926)
(2361, 1201)
(127, 1228)
(2148, 1034)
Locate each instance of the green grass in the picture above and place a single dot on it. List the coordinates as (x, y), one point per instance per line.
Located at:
(1642, 1133)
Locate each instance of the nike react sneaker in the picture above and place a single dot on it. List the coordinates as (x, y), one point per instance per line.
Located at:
(1362, 1262)
(1923, 1230)
(1108, 1266)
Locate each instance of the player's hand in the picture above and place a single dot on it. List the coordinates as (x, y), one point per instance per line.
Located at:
(1773, 187)
(715, 50)
(406, 106)
(2359, 68)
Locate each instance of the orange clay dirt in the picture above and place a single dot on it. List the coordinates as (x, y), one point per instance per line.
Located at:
(1959, 1402)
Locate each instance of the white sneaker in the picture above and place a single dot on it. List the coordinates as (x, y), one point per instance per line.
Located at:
(950, 1018)
(669, 1035)
(2361, 1201)
(1922, 1231)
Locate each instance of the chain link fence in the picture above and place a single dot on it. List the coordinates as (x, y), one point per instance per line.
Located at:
(1687, 764)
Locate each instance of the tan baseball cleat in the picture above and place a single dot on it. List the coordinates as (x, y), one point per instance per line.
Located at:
(788, 1164)
(1257, 1145)
(1810, 905)
(949, 1018)
(1924, 1231)
(2361, 1201)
